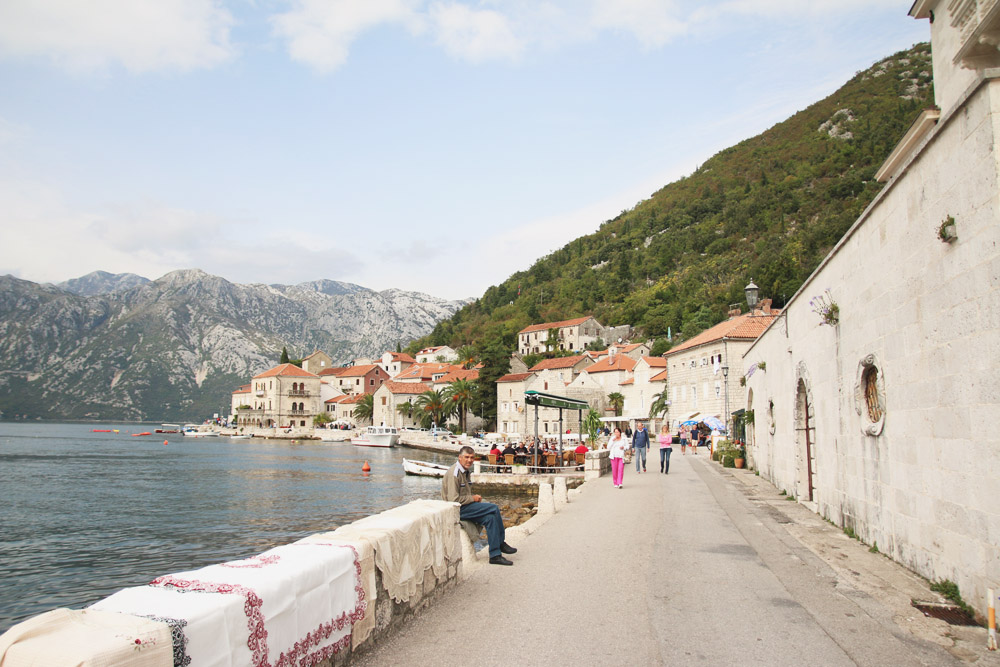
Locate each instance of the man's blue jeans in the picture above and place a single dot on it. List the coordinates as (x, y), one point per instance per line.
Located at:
(640, 453)
(487, 514)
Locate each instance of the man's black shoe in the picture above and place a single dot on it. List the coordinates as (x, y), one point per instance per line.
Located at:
(500, 560)
(507, 549)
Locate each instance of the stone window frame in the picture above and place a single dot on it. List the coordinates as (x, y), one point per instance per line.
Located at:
(771, 427)
(865, 391)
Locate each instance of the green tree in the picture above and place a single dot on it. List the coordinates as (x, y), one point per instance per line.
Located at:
(433, 407)
(552, 342)
(660, 405)
(284, 356)
(617, 402)
(466, 356)
(405, 409)
(660, 345)
(460, 393)
(322, 418)
(592, 424)
(365, 408)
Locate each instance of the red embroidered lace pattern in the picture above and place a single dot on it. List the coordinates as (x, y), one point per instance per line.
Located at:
(304, 652)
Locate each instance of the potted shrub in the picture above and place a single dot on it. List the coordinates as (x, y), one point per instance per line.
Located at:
(740, 456)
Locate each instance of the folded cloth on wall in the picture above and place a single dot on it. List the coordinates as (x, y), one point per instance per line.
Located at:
(409, 540)
(86, 638)
(294, 604)
(363, 627)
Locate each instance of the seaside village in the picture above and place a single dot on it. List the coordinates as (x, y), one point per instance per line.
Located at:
(702, 376)
(871, 398)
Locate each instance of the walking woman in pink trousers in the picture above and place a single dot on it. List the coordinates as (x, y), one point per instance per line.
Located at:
(616, 446)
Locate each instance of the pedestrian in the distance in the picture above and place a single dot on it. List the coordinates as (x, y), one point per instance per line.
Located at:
(684, 440)
(640, 441)
(616, 448)
(666, 446)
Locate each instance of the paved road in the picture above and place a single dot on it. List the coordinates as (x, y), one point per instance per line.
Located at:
(679, 569)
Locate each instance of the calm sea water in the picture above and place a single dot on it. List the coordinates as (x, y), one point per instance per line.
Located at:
(85, 514)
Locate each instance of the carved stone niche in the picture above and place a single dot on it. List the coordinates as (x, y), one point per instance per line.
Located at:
(869, 395)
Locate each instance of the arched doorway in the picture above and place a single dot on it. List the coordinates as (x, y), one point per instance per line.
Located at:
(805, 442)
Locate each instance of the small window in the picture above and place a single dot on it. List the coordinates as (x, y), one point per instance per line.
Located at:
(383, 400)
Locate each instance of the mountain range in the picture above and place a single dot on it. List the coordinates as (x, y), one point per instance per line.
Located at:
(122, 347)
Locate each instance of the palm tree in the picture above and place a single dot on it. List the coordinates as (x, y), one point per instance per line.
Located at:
(433, 407)
(660, 405)
(459, 394)
(617, 402)
(405, 409)
(365, 409)
(466, 356)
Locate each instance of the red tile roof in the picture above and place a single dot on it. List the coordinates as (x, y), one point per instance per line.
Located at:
(514, 377)
(332, 371)
(286, 370)
(406, 387)
(554, 325)
(403, 356)
(351, 398)
(619, 363)
(426, 371)
(558, 362)
(741, 327)
(460, 374)
(628, 381)
(243, 389)
(359, 371)
(659, 377)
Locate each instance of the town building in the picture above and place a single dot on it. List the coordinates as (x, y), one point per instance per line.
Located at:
(316, 362)
(439, 354)
(572, 335)
(283, 397)
(395, 363)
(388, 399)
(364, 379)
(878, 402)
(701, 371)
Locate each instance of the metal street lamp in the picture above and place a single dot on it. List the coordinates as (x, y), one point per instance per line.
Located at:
(751, 291)
(725, 377)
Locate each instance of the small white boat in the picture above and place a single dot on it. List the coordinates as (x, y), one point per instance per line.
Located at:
(377, 436)
(192, 431)
(238, 437)
(424, 468)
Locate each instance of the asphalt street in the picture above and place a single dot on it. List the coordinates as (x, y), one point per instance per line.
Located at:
(698, 567)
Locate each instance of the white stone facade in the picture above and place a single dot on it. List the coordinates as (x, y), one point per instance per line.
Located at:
(918, 473)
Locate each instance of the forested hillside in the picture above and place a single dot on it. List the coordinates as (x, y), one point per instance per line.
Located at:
(769, 208)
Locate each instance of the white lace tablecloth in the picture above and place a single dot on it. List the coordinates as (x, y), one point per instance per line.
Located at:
(292, 605)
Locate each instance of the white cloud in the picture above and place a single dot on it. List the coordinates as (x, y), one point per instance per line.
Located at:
(653, 22)
(140, 35)
(320, 32)
(475, 35)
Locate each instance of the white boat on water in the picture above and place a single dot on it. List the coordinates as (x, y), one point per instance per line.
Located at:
(191, 431)
(424, 468)
(377, 436)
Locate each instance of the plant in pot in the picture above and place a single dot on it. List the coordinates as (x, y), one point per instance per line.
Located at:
(740, 456)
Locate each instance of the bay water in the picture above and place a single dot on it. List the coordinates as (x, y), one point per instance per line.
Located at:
(84, 514)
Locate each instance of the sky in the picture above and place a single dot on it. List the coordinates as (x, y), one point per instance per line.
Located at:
(437, 146)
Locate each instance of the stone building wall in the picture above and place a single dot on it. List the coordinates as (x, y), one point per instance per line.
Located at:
(918, 473)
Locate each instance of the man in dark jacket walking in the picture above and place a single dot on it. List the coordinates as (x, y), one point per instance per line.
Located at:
(640, 441)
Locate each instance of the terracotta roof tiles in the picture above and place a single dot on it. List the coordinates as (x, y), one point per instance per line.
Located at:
(286, 370)
(514, 377)
(555, 325)
(743, 327)
(557, 362)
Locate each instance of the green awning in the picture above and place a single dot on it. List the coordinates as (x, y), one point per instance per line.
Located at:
(552, 401)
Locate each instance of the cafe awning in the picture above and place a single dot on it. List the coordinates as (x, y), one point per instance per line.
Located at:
(544, 400)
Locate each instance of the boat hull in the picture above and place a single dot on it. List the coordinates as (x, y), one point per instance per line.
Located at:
(376, 436)
(424, 468)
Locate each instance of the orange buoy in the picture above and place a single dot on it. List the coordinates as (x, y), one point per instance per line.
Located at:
(366, 467)
(164, 443)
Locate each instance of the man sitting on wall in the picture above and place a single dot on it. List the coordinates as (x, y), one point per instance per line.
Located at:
(456, 487)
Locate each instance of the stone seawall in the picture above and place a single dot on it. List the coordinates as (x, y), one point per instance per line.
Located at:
(317, 601)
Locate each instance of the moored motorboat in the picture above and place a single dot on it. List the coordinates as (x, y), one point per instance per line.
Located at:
(377, 436)
(424, 468)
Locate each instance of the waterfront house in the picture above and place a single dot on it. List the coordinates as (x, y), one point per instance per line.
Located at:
(240, 399)
(427, 373)
(388, 399)
(702, 368)
(878, 403)
(648, 379)
(283, 397)
(610, 372)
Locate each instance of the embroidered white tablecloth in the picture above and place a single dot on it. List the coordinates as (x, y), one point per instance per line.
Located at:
(292, 605)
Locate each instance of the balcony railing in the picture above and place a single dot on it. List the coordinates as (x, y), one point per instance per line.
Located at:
(299, 392)
(299, 413)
